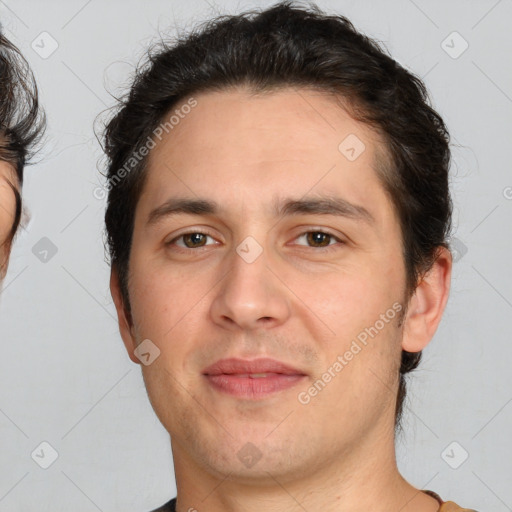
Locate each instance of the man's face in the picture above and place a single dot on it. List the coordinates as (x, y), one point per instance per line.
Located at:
(7, 211)
(248, 283)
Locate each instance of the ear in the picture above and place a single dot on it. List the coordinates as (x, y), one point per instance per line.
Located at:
(427, 304)
(123, 316)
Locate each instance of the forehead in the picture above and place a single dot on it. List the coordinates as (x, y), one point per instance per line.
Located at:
(289, 141)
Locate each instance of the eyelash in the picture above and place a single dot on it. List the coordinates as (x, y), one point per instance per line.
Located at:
(327, 248)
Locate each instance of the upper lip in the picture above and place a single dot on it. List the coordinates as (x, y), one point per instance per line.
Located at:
(243, 366)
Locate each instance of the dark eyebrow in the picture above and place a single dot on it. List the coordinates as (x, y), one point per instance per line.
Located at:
(175, 206)
(312, 206)
(324, 206)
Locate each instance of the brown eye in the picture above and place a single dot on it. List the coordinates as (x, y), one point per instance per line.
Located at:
(318, 237)
(192, 240)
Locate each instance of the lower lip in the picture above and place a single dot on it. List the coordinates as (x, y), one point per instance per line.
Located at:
(253, 388)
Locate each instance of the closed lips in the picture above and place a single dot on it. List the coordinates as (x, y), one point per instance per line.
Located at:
(256, 368)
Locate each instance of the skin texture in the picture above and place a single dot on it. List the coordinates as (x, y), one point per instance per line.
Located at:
(297, 302)
(7, 211)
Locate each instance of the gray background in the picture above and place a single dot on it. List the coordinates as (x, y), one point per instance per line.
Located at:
(64, 375)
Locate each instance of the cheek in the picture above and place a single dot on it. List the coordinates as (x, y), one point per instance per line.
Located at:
(156, 296)
(168, 306)
(166, 312)
(355, 298)
(361, 360)
(7, 212)
(362, 308)
(6, 222)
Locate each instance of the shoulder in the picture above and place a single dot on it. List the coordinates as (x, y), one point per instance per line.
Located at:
(450, 506)
(447, 506)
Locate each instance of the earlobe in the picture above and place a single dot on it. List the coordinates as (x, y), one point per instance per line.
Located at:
(427, 304)
(123, 316)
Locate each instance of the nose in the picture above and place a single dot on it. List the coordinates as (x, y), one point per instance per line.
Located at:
(251, 295)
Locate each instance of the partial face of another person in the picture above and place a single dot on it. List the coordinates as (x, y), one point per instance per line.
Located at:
(8, 180)
(22, 123)
(267, 269)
